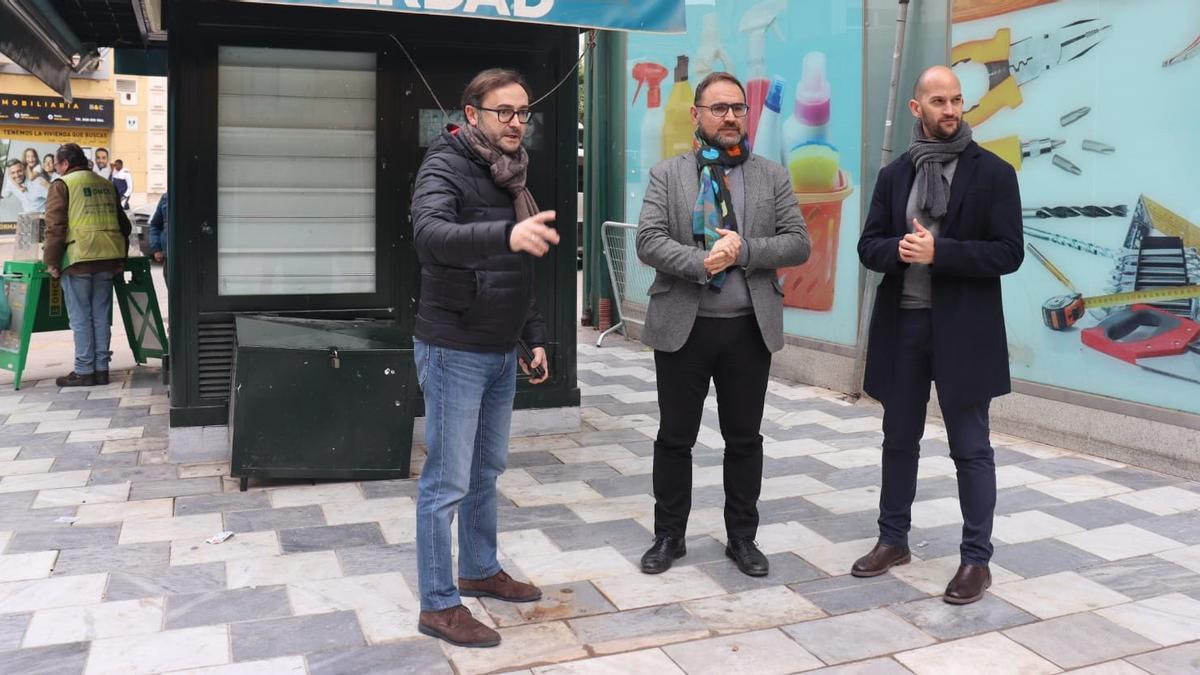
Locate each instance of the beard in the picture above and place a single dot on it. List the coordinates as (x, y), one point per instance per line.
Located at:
(724, 143)
(933, 128)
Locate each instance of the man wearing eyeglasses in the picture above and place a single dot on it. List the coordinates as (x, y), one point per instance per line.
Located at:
(477, 230)
(716, 224)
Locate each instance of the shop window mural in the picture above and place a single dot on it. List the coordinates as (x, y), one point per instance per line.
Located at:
(801, 65)
(1094, 103)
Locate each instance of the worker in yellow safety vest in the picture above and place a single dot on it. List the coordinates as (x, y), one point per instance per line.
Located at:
(86, 242)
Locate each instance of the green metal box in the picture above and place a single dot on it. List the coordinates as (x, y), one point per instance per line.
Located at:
(321, 399)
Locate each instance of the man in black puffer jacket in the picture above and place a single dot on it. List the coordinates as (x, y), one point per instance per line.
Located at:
(477, 230)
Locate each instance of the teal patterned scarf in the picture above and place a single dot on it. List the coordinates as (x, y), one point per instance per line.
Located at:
(714, 206)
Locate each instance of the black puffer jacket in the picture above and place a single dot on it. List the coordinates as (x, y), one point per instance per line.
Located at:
(476, 294)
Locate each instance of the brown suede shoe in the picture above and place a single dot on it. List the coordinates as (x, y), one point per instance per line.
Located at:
(968, 584)
(880, 559)
(501, 587)
(74, 379)
(458, 627)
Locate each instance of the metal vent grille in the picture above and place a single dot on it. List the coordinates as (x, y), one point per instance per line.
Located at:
(216, 359)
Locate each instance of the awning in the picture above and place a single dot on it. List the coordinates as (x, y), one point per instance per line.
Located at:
(655, 16)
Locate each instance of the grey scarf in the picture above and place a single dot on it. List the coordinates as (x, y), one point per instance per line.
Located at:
(929, 156)
(507, 170)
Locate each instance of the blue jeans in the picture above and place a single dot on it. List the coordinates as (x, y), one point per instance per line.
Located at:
(89, 304)
(468, 412)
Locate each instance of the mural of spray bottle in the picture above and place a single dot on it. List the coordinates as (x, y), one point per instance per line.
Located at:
(755, 23)
(678, 135)
(650, 75)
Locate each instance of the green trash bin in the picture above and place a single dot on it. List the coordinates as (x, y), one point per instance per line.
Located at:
(321, 399)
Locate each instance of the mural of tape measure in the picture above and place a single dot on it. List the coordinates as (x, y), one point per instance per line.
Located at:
(1061, 312)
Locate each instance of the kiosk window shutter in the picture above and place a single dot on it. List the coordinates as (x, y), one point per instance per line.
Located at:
(296, 172)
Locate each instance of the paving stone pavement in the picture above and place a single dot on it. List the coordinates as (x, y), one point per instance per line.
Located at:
(104, 569)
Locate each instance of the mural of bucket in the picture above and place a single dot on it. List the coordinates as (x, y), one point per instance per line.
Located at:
(811, 285)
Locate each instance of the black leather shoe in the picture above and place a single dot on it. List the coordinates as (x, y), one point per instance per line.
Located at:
(74, 379)
(101, 376)
(881, 558)
(665, 551)
(749, 559)
(968, 584)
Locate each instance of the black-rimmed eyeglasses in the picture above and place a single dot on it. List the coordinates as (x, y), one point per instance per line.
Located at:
(720, 110)
(505, 115)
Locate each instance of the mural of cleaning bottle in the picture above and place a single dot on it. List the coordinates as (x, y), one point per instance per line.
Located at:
(755, 23)
(768, 142)
(678, 135)
(820, 187)
(710, 51)
(651, 75)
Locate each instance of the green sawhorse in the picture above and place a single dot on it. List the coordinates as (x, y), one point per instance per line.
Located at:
(37, 306)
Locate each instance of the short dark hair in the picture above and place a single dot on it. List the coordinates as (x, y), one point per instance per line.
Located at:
(489, 80)
(711, 79)
(13, 162)
(72, 154)
(104, 150)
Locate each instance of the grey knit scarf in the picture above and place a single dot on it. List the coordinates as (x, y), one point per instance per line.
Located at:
(508, 171)
(929, 156)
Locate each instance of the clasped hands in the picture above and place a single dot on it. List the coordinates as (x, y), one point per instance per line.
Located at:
(917, 246)
(724, 253)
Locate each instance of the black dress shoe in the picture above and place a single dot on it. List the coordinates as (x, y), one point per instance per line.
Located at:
(74, 379)
(665, 551)
(749, 559)
(101, 376)
(968, 584)
(881, 558)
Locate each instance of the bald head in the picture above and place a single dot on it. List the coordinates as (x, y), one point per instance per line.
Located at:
(937, 102)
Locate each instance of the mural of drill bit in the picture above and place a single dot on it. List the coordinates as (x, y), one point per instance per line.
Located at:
(1089, 211)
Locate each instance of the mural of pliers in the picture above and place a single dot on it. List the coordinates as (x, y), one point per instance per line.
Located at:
(1012, 64)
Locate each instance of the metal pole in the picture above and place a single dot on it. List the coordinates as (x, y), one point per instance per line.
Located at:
(872, 278)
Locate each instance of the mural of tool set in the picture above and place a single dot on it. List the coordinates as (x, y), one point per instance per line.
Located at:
(1147, 312)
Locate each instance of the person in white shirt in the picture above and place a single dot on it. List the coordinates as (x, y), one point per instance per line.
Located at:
(48, 168)
(31, 193)
(101, 163)
(122, 179)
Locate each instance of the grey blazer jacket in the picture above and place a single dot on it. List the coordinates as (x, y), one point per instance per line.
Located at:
(774, 236)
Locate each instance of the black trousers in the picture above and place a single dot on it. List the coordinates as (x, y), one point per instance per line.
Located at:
(731, 353)
(970, 446)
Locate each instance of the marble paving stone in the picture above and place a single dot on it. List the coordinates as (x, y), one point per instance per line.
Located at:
(849, 459)
(1058, 595)
(766, 652)
(781, 537)
(644, 661)
(1066, 467)
(285, 569)
(845, 594)
(559, 602)
(166, 529)
(44, 481)
(786, 568)
(875, 633)
(1167, 619)
(678, 584)
(302, 495)
(1023, 498)
(95, 494)
(1181, 659)
(619, 508)
(220, 607)
(581, 565)
(637, 629)
(12, 629)
(568, 492)
(800, 447)
(934, 467)
(1014, 476)
(583, 471)
(753, 610)
(25, 566)
(836, 559)
(1119, 667)
(284, 665)
(411, 657)
(520, 647)
(92, 622)
(843, 479)
(788, 466)
(1026, 526)
(540, 443)
(245, 545)
(1161, 501)
(1120, 541)
(1188, 558)
(848, 500)
(295, 635)
(181, 487)
(626, 536)
(1042, 557)
(527, 542)
(55, 660)
(75, 425)
(844, 528)
(25, 466)
(111, 434)
(799, 485)
(329, 537)
(216, 503)
(379, 592)
(1080, 488)
(1182, 527)
(988, 653)
(401, 487)
(871, 667)
(133, 445)
(1080, 640)
(1144, 577)
(63, 538)
(1095, 513)
(379, 559)
(274, 519)
(144, 582)
(55, 592)
(160, 652)
(1138, 479)
(514, 518)
(936, 512)
(105, 558)
(932, 575)
(944, 621)
(80, 462)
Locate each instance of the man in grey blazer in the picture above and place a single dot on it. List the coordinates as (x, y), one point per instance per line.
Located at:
(716, 224)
